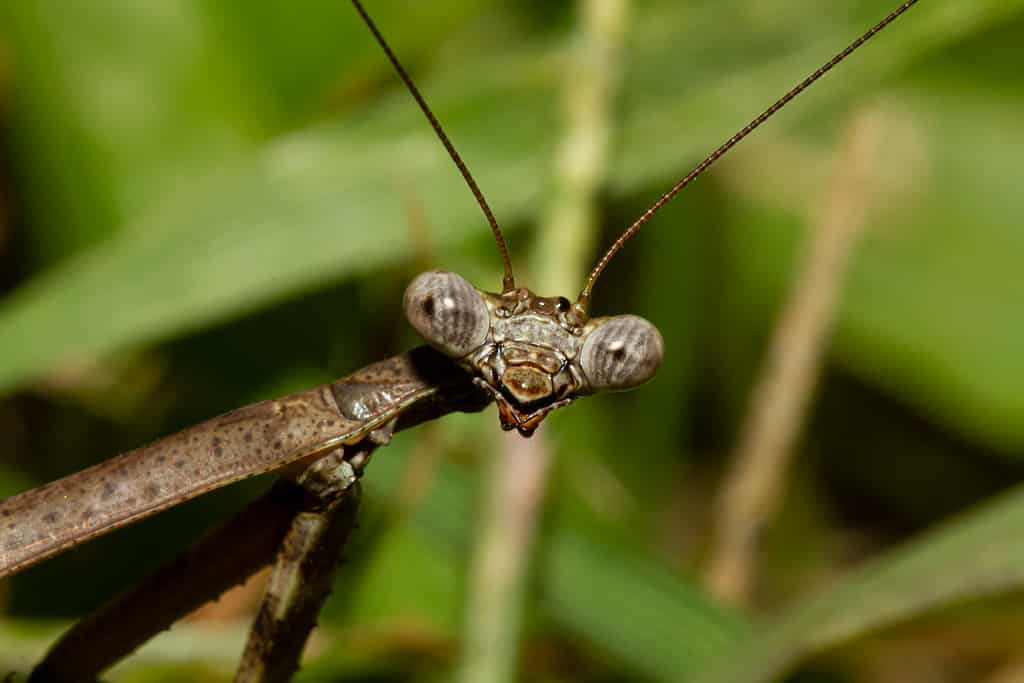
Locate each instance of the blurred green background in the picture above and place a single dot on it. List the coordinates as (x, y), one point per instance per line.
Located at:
(204, 203)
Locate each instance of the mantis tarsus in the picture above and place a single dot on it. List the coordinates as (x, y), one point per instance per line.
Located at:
(529, 354)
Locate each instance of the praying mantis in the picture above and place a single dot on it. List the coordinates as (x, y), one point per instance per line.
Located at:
(520, 409)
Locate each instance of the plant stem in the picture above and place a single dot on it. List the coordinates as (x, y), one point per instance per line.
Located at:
(755, 480)
(518, 476)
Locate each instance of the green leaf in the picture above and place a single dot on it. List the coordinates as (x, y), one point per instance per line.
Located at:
(977, 556)
(651, 620)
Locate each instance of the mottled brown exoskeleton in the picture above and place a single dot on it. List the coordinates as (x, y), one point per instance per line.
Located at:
(533, 354)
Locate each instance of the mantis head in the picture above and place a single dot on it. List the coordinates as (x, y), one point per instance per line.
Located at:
(533, 354)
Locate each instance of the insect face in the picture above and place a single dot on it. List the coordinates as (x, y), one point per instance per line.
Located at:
(533, 354)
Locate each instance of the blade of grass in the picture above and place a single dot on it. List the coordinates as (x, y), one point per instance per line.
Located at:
(647, 617)
(976, 556)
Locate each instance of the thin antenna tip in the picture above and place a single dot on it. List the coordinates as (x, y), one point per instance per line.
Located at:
(731, 142)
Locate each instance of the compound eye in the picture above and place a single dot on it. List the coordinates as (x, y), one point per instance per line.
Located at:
(447, 312)
(621, 353)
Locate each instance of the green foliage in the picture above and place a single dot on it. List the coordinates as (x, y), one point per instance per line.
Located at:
(212, 202)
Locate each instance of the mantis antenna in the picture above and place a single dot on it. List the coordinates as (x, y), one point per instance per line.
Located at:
(583, 302)
(582, 305)
(508, 281)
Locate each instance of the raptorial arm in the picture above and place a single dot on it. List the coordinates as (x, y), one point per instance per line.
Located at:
(259, 438)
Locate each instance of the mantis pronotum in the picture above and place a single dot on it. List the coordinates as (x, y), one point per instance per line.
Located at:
(529, 354)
